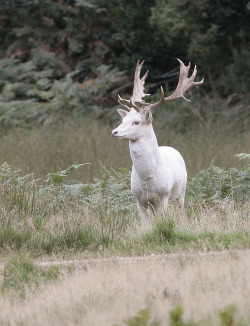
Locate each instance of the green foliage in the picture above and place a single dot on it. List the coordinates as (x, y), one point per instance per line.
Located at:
(17, 192)
(216, 184)
(113, 188)
(20, 274)
(227, 316)
(176, 318)
(107, 200)
(31, 97)
(59, 177)
(134, 38)
(61, 58)
(69, 215)
(164, 233)
(237, 76)
(176, 21)
(142, 319)
(202, 31)
(243, 156)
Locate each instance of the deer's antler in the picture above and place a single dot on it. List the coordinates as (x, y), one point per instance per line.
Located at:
(138, 90)
(184, 85)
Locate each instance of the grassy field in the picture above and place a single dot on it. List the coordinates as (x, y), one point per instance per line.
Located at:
(66, 218)
(57, 264)
(195, 260)
(48, 149)
(181, 289)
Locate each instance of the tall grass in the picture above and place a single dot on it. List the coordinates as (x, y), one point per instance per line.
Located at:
(49, 149)
(46, 218)
(93, 207)
(20, 273)
(55, 218)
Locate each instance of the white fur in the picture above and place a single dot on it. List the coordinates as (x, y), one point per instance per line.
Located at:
(158, 173)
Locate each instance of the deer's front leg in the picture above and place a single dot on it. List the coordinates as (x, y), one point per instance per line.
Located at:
(143, 213)
(162, 206)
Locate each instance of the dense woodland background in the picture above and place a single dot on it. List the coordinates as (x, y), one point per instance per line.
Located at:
(64, 62)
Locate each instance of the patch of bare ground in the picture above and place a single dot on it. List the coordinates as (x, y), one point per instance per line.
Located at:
(108, 291)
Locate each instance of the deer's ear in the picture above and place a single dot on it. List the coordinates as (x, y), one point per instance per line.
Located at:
(148, 116)
(122, 113)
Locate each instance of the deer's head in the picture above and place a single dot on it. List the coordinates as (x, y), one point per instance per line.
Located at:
(134, 124)
(138, 119)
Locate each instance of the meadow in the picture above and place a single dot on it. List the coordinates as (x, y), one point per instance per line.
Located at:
(55, 147)
(182, 289)
(72, 250)
(64, 221)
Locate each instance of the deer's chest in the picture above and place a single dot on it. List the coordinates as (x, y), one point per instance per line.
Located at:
(148, 189)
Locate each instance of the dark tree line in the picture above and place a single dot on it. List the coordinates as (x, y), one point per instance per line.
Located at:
(44, 41)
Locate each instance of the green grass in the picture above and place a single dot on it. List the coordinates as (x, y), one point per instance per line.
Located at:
(20, 274)
(59, 217)
(226, 317)
(73, 234)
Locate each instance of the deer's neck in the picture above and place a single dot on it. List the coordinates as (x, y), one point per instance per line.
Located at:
(145, 154)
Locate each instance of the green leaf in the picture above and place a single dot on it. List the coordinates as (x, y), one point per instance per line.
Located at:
(84, 3)
(59, 177)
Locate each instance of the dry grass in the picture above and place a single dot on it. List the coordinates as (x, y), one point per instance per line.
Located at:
(226, 217)
(51, 149)
(108, 292)
(80, 232)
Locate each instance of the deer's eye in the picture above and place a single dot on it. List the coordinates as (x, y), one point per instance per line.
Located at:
(135, 123)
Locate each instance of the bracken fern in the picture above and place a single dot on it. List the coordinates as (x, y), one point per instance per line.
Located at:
(216, 184)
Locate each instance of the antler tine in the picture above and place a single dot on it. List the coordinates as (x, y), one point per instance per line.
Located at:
(120, 99)
(194, 73)
(132, 103)
(185, 83)
(123, 99)
(138, 90)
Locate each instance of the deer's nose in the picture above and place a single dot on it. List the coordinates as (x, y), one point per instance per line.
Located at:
(114, 133)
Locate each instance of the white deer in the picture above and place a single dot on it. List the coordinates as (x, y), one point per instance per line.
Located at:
(159, 173)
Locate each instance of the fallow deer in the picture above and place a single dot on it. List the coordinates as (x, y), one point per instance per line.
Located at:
(159, 173)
